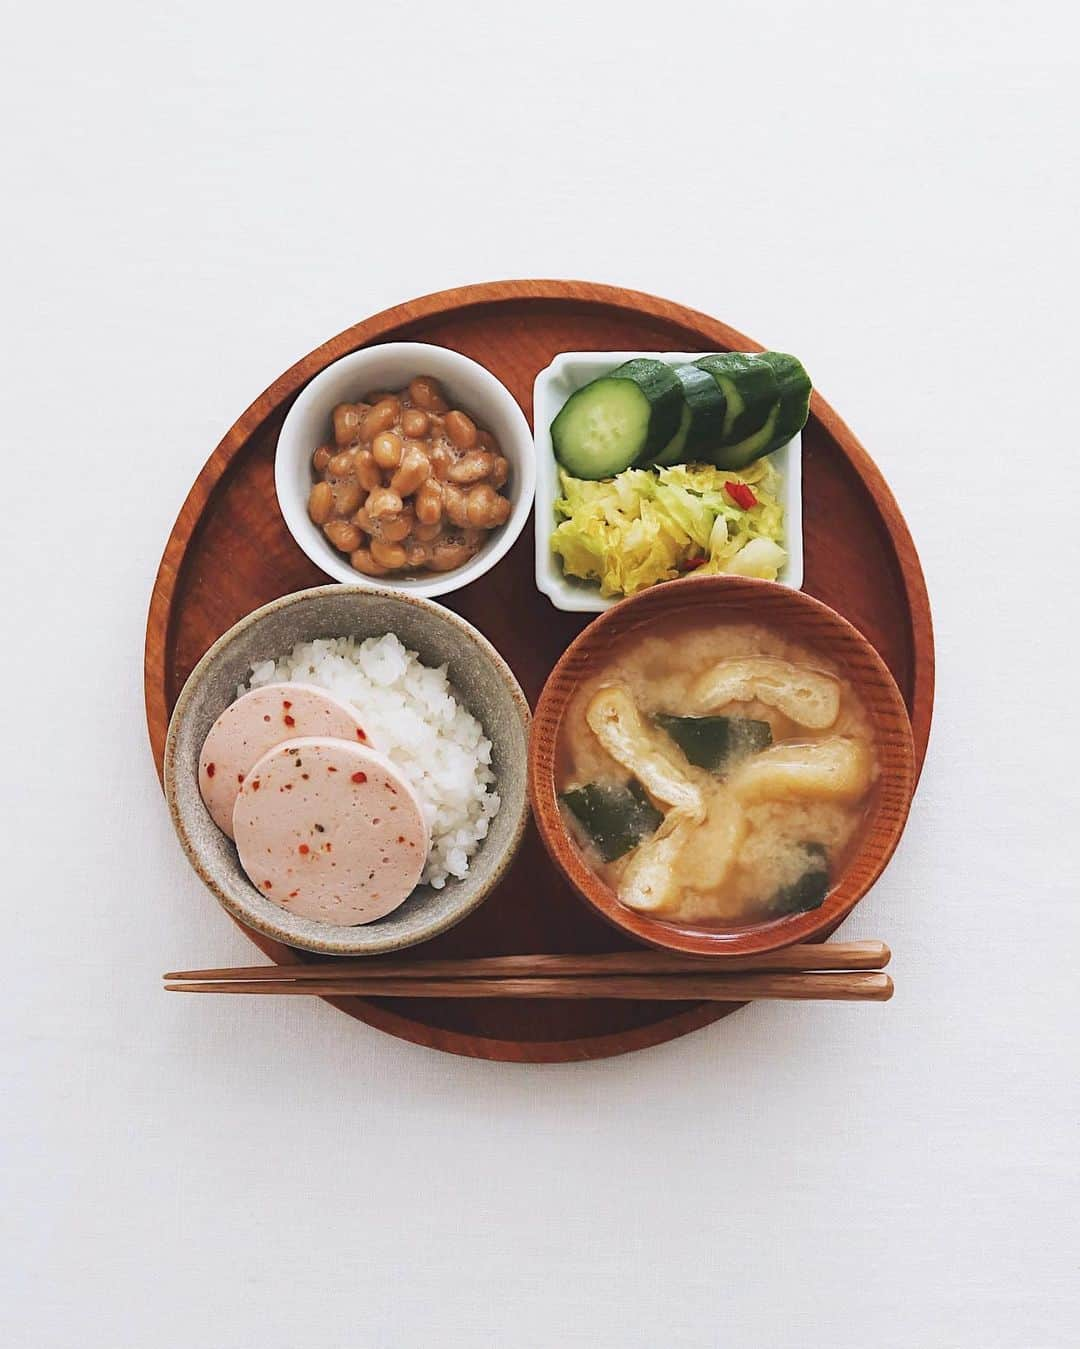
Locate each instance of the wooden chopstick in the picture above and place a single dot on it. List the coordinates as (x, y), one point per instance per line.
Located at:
(849, 986)
(855, 955)
(854, 986)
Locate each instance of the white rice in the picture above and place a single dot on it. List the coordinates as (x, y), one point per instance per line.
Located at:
(412, 716)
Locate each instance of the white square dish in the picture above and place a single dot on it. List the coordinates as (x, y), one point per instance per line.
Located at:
(554, 385)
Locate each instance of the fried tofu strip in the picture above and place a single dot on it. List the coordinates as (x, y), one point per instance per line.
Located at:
(808, 697)
(837, 768)
(615, 721)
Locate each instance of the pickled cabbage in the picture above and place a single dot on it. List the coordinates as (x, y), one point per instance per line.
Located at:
(650, 525)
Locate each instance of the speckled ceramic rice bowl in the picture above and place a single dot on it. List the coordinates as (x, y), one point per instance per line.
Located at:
(484, 686)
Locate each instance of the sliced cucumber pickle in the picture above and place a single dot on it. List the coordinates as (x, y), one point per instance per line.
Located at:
(657, 381)
(764, 441)
(749, 385)
(619, 420)
(675, 451)
(602, 429)
(702, 423)
(794, 389)
(728, 409)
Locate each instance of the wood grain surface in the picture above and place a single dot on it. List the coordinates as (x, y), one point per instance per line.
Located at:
(229, 552)
(837, 955)
(850, 986)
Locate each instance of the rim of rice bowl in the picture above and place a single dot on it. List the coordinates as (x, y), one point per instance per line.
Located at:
(412, 715)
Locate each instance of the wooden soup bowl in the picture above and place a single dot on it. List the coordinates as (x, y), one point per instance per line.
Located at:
(796, 617)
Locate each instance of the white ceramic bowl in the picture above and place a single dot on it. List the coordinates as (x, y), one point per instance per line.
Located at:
(391, 366)
(554, 385)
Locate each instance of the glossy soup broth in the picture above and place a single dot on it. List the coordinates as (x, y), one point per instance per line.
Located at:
(709, 810)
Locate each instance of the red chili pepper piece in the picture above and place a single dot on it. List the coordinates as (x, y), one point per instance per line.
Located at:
(741, 494)
(359, 777)
(211, 769)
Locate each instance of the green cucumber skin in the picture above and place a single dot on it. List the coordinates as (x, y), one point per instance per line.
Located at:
(711, 411)
(708, 409)
(675, 451)
(716, 743)
(619, 420)
(658, 383)
(749, 385)
(732, 458)
(574, 440)
(794, 388)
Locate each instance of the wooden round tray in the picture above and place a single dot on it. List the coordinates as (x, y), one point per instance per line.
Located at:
(229, 552)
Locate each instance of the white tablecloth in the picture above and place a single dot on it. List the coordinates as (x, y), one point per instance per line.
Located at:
(192, 201)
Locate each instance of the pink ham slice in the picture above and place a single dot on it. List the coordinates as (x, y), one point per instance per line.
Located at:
(330, 831)
(256, 723)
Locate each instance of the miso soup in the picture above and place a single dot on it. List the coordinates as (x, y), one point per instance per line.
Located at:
(715, 775)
